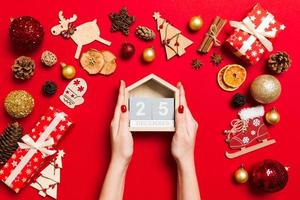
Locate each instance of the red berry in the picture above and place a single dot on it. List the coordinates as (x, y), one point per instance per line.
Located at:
(26, 34)
(127, 50)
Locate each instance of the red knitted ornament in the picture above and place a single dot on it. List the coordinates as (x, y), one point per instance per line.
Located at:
(26, 34)
(269, 176)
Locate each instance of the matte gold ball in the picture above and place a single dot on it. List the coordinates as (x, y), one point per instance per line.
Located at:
(265, 89)
(149, 54)
(241, 175)
(68, 71)
(272, 117)
(195, 23)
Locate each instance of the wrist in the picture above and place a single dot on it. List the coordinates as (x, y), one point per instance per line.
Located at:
(120, 162)
(186, 163)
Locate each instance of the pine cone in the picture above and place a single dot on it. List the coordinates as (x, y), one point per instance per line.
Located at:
(145, 33)
(8, 141)
(279, 62)
(23, 68)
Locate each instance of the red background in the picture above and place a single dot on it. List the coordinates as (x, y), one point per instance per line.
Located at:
(152, 172)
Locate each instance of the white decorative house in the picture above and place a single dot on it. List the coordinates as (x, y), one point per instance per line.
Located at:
(152, 102)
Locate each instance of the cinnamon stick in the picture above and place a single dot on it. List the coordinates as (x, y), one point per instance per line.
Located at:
(206, 38)
(210, 37)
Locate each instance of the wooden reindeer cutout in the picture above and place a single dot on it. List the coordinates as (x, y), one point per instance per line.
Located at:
(83, 34)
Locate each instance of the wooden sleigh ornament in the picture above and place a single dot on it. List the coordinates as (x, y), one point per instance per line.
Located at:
(83, 34)
(249, 133)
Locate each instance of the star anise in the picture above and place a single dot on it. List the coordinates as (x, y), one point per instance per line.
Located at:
(216, 59)
(197, 64)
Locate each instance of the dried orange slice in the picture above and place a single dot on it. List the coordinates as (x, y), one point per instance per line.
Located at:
(221, 81)
(110, 64)
(92, 61)
(234, 75)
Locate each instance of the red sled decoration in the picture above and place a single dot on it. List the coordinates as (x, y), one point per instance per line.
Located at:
(35, 147)
(253, 35)
(248, 133)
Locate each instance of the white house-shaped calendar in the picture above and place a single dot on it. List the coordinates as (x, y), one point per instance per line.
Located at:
(152, 103)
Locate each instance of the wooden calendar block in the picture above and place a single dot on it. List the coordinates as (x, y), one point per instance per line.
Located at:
(140, 108)
(163, 109)
(162, 98)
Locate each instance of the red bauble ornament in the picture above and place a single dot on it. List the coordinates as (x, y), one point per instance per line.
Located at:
(269, 176)
(127, 50)
(26, 34)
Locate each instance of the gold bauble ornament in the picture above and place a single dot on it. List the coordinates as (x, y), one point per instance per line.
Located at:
(19, 103)
(148, 54)
(265, 89)
(195, 23)
(68, 71)
(241, 175)
(272, 117)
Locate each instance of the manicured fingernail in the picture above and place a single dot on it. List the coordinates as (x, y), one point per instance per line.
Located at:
(123, 108)
(181, 109)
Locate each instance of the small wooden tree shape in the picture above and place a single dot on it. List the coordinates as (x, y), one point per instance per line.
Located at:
(174, 42)
(47, 182)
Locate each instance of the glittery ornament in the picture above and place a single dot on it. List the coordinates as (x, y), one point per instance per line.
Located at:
(19, 103)
(265, 89)
(269, 176)
(26, 34)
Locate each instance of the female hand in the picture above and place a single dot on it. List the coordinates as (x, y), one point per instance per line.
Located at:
(121, 137)
(183, 142)
(122, 149)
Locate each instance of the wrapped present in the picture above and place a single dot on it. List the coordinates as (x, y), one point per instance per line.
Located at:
(252, 36)
(35, 147)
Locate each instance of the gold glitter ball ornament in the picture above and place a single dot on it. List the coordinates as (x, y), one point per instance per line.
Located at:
(265, 89)
(19, 103)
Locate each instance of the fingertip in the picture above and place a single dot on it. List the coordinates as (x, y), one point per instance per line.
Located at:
(179, 84)
(122, 83)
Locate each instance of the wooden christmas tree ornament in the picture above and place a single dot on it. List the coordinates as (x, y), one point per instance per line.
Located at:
(83, 34)
(49, 178)
(152, 104)
(174, 42)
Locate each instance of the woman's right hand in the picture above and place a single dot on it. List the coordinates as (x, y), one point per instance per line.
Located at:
(121, 137)
(183, 142)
